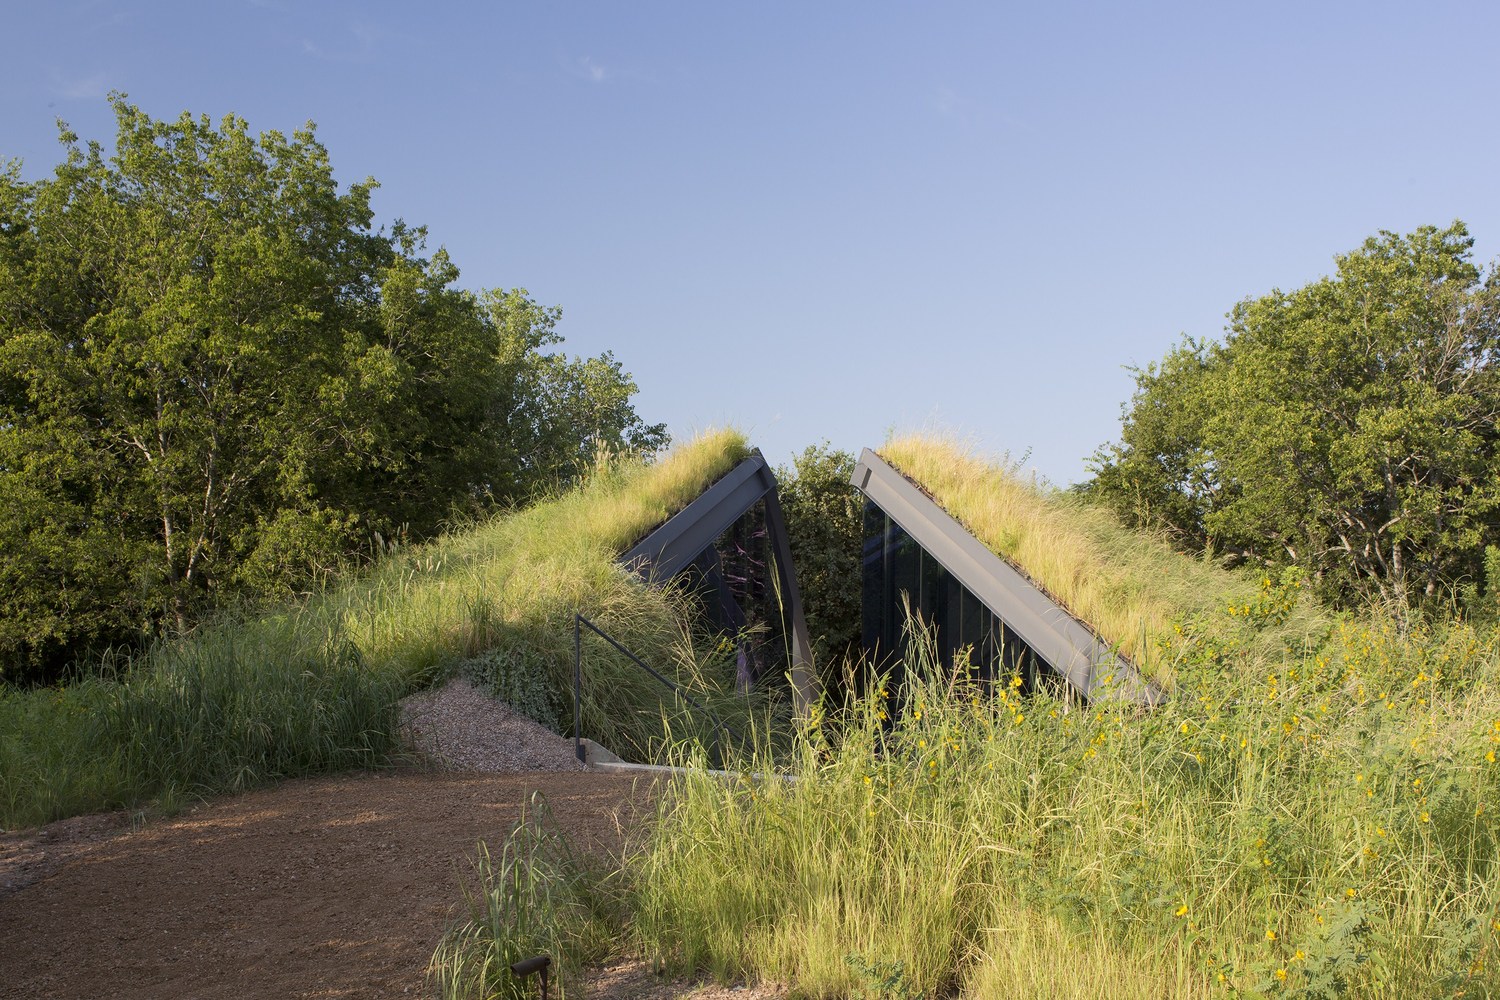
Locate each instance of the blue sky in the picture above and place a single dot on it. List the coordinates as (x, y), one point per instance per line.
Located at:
(831, 220)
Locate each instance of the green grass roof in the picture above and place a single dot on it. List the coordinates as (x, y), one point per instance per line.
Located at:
(1131, 587)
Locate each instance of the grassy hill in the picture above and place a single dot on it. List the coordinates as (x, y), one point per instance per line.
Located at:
(311, 686)
(1312, 814)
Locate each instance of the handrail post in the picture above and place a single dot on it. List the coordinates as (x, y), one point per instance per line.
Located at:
(578, 688)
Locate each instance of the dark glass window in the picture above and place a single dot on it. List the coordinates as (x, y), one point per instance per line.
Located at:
(899, 576)
(735, 581)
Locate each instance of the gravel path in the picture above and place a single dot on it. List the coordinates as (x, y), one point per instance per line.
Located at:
(467, 730)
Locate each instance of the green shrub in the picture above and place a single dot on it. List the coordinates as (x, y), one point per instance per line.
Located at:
(824, 521)
(520, 679)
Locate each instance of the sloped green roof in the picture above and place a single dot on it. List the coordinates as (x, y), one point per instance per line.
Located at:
(1132, 588)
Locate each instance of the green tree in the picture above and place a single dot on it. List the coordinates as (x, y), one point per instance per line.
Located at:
(1348, 426)
(1162, 472)
(556, 415)
(825, 528)
(216, 377)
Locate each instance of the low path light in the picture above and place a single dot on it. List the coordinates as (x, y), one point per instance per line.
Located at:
(531, 966)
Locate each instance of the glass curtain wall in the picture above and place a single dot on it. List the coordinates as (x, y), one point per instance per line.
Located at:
(898, 574)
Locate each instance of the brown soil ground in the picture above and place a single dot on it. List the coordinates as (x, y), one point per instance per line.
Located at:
(326, 887)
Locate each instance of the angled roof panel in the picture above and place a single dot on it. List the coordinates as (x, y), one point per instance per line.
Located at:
(669, 549)
(673, 546)
(1068, 646)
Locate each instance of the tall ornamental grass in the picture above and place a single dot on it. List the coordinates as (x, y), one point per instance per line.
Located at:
(311, 686)
(204, 714)
(536, 896)
(1325, 827)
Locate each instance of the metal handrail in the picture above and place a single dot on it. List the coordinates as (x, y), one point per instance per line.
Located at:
(579, 622)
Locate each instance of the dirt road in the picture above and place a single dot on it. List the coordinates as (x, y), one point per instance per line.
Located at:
(324, 887)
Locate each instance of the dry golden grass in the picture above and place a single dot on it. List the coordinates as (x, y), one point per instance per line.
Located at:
(1131, 588)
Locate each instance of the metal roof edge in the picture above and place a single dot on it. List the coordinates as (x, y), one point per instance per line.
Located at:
(676, 542)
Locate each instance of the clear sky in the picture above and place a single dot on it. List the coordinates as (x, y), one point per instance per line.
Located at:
(829, 220)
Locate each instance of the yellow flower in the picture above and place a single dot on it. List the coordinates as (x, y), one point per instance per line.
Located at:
(1299, 956)
(1270, 935)
(1281, 975)
(1350, 893)
(1490, 756)
(1426, 818)
(1182, 910)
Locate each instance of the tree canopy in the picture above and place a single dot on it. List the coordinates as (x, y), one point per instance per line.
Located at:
(1348, 427)
(217, 377)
